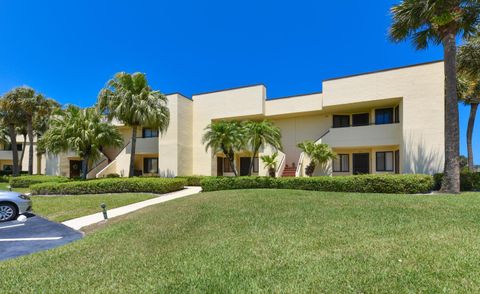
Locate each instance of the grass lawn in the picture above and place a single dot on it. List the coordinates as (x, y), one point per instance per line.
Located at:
(273, 241)
(62, 208)
(4, 186)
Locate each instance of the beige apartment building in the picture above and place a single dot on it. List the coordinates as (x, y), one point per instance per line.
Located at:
(389, 121)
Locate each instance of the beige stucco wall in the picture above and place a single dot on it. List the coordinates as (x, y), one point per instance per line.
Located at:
(175, 146)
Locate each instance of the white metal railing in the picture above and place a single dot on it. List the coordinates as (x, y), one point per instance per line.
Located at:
(298, 171)
(281, 166)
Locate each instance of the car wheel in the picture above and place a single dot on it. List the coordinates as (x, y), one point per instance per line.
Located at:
(8, 212)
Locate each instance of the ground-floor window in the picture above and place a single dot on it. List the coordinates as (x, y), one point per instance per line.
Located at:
(227, 168)
(341, 163)
(385, 161)
(397, 162)
(7, 168)
(150, 165)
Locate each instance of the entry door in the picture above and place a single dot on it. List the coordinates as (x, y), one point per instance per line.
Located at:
(361, 163)
(75, 168)
(244, 165)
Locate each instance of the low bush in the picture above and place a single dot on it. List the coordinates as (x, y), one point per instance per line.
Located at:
(194, 180)
(27, 181)
(112, 185)
(469, 181)
(401, 184)
(113, 175)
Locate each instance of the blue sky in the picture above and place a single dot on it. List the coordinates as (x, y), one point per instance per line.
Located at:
(69, 49)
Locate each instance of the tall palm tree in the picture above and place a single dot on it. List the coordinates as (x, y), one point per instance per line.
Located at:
(12, 116)
(318, 153)
(261, 133)
(270, 162)
(226, 137)
(468, 65)
(129, 98)
(80, 130)
(440, 21)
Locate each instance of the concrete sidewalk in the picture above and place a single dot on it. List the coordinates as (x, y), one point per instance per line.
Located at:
(87, 220)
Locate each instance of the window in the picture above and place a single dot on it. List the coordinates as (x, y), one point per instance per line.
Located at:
(360, 119)
(341, 121)
(150, 165)
(341, 164)
(385, 161)
(9, 147)
(7, 168)
(226, 166)
(383, 116)
(149, 133)
(397, 162)
(397, 114)
(255, 165)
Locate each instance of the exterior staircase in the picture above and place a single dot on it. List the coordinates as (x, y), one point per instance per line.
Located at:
(289, 171)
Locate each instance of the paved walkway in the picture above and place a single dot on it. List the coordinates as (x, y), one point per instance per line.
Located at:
(84, 221)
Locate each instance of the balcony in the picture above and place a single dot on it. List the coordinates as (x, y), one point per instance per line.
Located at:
(146, 146)
(360, 136)
(6, 154)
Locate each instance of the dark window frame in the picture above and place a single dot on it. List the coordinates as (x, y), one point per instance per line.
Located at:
(341, 157)
(341, 123)
(362, 123)
(149, 133)
(397, 161)
(396, 114)
(382, 112)
(146, 165)
(384, 167)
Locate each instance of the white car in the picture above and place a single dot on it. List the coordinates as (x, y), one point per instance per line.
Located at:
(13, 204)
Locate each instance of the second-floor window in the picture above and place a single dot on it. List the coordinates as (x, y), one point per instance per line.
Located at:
(360, 119)
(149, 133)
(9, 147)
(341, 121)
(383, 116)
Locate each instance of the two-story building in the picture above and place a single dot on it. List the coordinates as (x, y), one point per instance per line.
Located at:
(388, 121)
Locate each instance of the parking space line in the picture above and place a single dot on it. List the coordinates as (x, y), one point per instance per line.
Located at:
(12, 226)
(31, 239)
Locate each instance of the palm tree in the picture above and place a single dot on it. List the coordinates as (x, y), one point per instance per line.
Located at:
(226, 137)
(80, 130)
(129, 98)
(270, 162)
(468, 58)
(261, 133)
(11, 114)
(318, 153)
(440, 22)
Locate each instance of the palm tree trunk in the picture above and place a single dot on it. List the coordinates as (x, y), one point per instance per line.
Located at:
(30, 147)
(13, 143)
(255, 152)
(85, 167)
(133, 144)
(471, 125)
(20, 163)
(451, 179)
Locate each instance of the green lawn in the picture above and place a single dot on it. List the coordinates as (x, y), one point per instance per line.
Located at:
(62, 208)
(4, 186)
(272, 241)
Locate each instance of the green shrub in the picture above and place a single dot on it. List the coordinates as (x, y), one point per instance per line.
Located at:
(112, 185)
(194, 180)
(404, 184)
(469, 181)
(113, 175)
(27, 181)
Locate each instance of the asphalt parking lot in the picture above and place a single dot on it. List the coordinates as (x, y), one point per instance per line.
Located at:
(36, 234)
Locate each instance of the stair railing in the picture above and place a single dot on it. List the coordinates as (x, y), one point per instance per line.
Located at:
(281, 166)
(298, 171)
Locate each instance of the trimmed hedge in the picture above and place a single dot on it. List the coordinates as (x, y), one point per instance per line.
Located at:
(469, 181)
(110, 185)
(194, 180)
(400, 184)
(27, 181)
